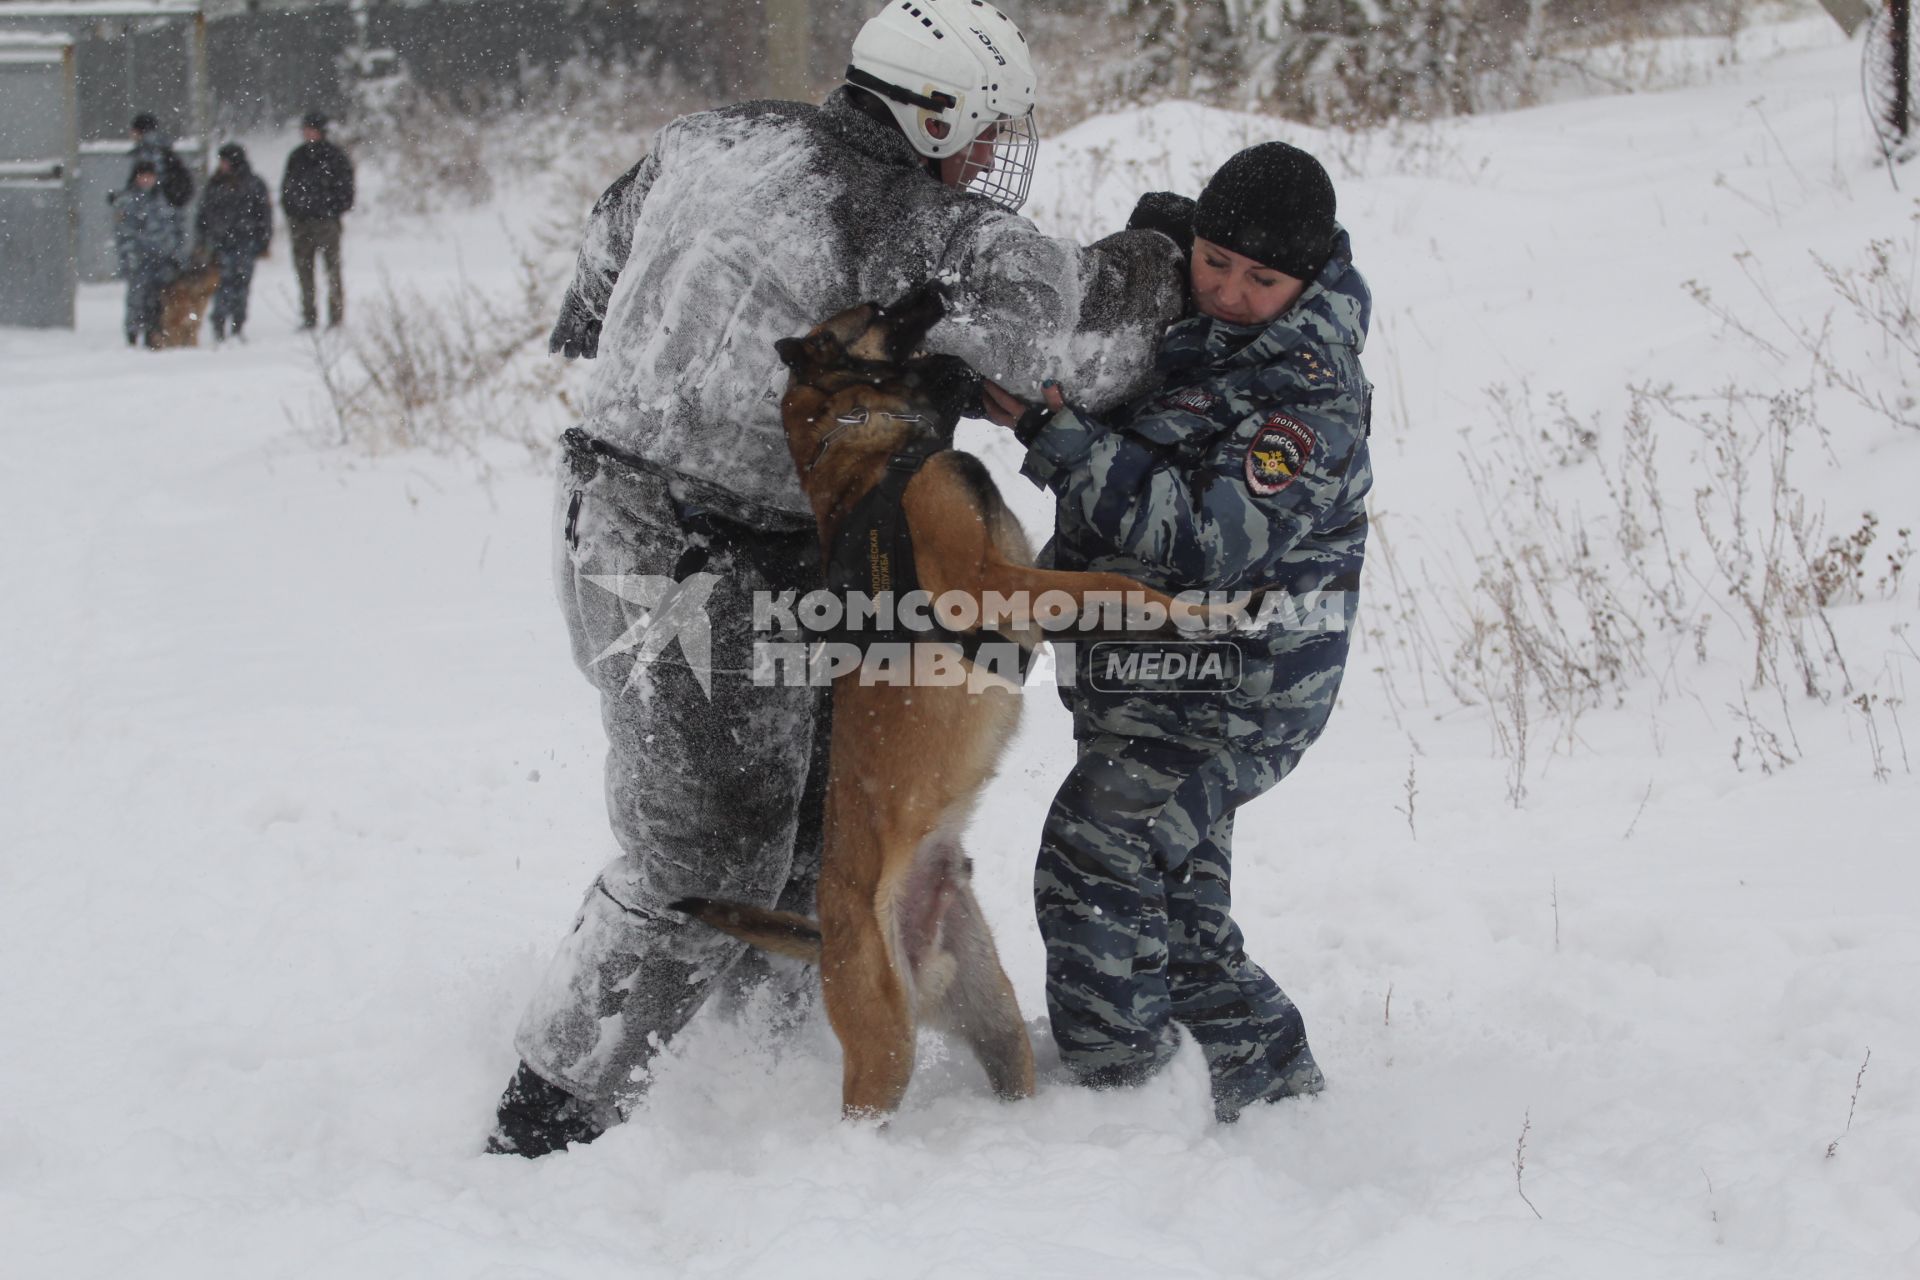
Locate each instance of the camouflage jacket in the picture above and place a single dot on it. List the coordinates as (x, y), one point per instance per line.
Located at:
(1247, 470)
(147, 233)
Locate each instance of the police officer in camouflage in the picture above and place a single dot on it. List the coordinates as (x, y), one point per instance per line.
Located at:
(147, 236)
(1247, 470)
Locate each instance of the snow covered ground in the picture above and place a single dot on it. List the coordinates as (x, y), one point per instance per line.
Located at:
(298, 788)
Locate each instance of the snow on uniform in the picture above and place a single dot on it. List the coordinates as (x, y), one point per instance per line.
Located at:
(742, 226)
(756, 222)
(147, 237)
(1248, 469)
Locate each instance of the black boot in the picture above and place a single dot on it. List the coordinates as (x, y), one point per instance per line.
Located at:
(536, 1118)
(220, 329)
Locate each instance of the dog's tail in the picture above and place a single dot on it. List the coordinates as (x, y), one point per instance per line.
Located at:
(781, 932)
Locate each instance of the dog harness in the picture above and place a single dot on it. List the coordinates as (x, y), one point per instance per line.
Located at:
(872, 553)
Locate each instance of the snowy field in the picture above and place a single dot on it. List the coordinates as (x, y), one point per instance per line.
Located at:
(299, 788)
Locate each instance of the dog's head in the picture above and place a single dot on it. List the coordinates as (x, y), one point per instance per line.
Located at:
(858, 372)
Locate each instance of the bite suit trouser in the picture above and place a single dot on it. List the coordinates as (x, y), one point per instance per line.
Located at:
(712, 791)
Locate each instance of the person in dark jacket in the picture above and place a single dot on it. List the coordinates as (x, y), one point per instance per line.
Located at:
(234, 227)
(174, 179)
(147, 236)
(678, 498)
(1245, 470)
(316, 189)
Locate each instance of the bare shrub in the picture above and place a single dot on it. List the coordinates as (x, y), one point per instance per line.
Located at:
(431, 153)
(1544, 619)
(1566, 609)
(574, 128)
(1365, 62)
(447, 372)
(1867, 346)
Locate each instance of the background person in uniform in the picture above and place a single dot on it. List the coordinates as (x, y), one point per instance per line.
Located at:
(147, 236)
(742, 226)
(154, 147)
(315, 190)
(1247, 469)
(234, 227)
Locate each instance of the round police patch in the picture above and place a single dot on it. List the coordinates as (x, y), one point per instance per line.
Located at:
(1278, 454)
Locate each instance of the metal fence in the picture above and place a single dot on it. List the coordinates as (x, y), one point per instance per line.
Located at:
(129, 56)
(38, 142)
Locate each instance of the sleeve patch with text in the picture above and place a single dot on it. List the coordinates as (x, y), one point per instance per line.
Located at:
(1192, 399)
(1278, 454)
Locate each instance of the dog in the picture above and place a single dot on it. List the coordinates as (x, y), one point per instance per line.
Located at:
(183, 305)
(900, 939)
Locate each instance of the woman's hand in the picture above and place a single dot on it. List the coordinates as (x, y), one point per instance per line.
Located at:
(1008, 409)
(1002, 406)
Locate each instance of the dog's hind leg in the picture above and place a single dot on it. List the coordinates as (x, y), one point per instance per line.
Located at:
(866, 998)
(977, 1003)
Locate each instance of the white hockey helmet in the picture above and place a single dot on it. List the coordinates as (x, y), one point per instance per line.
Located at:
(951, 70)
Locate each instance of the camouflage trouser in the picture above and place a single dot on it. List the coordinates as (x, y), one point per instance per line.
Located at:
(236, 279)
(713, 791)
(1134, 947)
(145, 280)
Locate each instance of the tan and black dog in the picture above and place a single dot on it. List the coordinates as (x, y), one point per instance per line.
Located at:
(901, 941)
(183, 304)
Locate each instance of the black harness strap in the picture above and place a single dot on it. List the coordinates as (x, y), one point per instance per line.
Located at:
(872, 553)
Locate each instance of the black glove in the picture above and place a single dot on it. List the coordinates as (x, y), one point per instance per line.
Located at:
(577, 333)
(1031, 424)
(1167, 213)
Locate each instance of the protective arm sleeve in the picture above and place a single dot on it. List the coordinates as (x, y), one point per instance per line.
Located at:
(1198, 519)
(603, 253)
(1027, 306)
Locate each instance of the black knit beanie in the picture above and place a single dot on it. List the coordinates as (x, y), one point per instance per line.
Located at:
(1272, 203)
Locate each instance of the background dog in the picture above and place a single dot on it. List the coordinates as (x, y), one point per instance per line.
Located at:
(901, 941)
(183, 305)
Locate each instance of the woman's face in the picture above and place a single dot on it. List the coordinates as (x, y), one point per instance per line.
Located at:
(1239, 290)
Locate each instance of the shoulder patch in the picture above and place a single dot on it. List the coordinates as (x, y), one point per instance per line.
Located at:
(1278, 454)
(1313, 370)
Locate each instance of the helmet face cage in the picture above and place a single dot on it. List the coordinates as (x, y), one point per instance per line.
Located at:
(949, 70)
(1009, 174)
